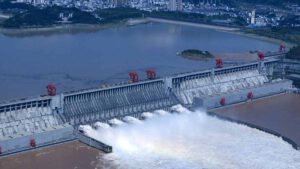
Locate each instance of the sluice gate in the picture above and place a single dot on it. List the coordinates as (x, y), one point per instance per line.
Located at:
(104, 104)
(54, 117)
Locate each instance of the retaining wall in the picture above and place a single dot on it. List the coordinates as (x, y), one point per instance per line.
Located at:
(241, 95)
(44, 138)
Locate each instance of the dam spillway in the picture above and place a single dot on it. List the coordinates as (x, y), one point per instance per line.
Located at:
(48, 120)
(102, 105)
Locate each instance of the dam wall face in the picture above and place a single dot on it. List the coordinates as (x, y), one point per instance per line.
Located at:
(117, 102)
(27, 117)
(28, 141)
(242, 95)
(36, 118)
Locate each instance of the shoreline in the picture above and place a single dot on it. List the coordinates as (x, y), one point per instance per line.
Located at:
(70, 28)
(187, 54)
(89, 28)
(57, 29)
(127, 22)
(236, 31)
(196, 58)
(265, 38)
(201, 25)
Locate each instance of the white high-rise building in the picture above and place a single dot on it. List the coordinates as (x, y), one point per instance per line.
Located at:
(179, 5)
(175, 5)
(172, 5)
(252, 21)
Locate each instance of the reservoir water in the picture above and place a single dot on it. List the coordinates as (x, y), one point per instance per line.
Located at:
(88, 59)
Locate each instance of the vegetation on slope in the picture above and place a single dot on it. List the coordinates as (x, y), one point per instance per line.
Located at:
(49, 16)
(7, 5)
(197, 18)
(294, 53)
(118, 14)
(278, 3)
(195, 54)
(46, 17)
(288, 34)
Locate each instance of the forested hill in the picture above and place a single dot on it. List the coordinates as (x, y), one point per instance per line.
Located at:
(252, 2)
(265, 2)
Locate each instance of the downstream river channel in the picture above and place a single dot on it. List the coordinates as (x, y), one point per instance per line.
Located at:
(82, 60)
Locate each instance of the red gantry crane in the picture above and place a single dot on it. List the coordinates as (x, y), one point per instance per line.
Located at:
(219, 63)
(261, 55)
(51, 88)
(282, 47)
(151, 74)
(134, 76)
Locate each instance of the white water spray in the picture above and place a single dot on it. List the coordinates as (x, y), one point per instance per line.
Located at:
(132, 120)
(115, 122)
(193, 141)
(147, 115)
(99, 125)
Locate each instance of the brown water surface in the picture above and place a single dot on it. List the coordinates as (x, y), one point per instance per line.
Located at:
(72, 155)
(279, 113)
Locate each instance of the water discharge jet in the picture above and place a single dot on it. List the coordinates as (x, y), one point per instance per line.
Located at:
(99, 125)
(132, 120)
(161, 112)
(195, 140)
(115, 122)
(147, 115)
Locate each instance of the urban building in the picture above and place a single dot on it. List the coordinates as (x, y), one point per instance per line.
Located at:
(252, 20)
(175, 5)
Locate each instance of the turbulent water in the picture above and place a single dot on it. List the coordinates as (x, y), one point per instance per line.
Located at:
(193, 140)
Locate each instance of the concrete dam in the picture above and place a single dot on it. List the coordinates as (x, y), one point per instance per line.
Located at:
(54, 118)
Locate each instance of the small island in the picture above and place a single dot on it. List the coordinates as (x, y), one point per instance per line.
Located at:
(195, 54)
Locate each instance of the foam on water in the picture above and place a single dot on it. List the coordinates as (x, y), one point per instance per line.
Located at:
(194, 140)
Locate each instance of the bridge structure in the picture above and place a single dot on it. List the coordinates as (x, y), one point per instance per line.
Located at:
(54, 118)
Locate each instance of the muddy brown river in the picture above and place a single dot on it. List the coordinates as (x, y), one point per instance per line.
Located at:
(278, 113)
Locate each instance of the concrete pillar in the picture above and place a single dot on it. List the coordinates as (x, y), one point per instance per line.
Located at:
(262, 67)
(270, 70)
(57, 103)
(168, 83)
(212, 77)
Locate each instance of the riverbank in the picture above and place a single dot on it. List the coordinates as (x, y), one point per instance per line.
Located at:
(265, 38)
(97, 27)
(237, 31)
(70, 28)
(223, 28)
(90, 28)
